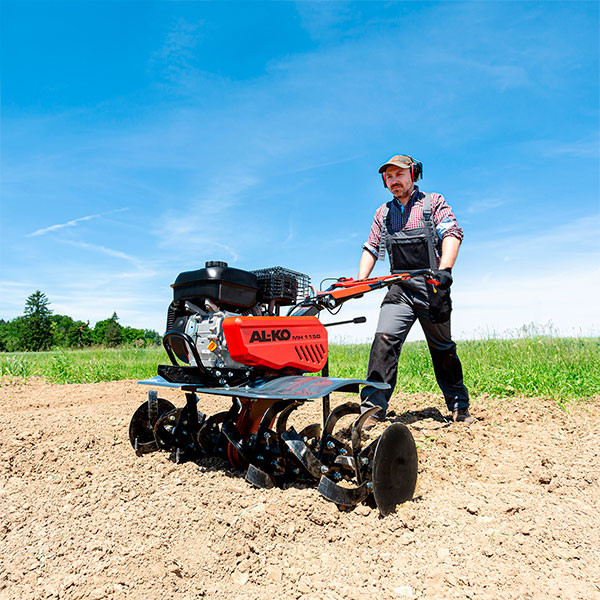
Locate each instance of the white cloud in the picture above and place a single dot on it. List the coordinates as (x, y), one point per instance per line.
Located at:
(323, 20)
(485, 204)
(290, 236)
(102, 249)
(207, 218)
(88, 305)
(13, 295)
(588, 147)
(73, 222)
(320, 165)
(511, 301)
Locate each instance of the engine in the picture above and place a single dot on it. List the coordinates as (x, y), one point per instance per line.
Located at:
(225, 323)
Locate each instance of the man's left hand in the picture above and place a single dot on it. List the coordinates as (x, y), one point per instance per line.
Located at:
(444, 276)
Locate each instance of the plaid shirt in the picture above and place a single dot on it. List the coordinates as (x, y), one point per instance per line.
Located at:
(411, 217)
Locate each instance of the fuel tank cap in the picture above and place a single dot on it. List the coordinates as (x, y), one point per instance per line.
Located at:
(215, 263)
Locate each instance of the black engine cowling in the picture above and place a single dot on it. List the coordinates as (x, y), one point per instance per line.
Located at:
(224, 285)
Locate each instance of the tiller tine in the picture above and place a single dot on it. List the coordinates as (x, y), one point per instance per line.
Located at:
(264, 449)
(344, 496)
(235, 450)
(141, 426)
(259, 478)
(349, 408)
(281, 406)
(356, 445)
(296, 444)
(311, 432)
(289, 464)
(283, 417)
(328, 451)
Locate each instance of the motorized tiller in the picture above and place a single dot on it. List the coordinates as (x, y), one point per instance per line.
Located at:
(225, 336)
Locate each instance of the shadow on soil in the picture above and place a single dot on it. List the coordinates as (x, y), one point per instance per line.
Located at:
(412, 416)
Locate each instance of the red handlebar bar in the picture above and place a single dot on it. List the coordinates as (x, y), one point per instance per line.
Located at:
(347, 288)
(387, 280)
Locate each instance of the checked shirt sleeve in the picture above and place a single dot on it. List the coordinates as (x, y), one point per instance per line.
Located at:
(443, 218)
(372, 243)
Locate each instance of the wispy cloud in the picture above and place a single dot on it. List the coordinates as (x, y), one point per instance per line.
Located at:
(324, 164)
(344, 239)
(503, 76)
(584, 148)
(180, 41)
(485, 204)
(176, 62)
(559, 242)
(208, 214)
(326, 20)
(103, 250)
(14, 294)
(72, 223)
(290, 236)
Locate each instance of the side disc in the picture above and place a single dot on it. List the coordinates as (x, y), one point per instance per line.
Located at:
(395, 467)
(141, 427)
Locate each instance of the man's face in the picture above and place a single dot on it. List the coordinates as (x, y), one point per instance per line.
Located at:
(399, 181)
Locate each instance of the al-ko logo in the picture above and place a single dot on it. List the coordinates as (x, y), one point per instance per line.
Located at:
(274, 335)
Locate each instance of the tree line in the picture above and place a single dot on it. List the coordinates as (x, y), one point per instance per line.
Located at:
(40, 329)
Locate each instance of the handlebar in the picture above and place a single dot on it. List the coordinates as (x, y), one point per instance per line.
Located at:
(345, 289)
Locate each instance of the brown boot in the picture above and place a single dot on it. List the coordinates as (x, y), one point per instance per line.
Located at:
(462, 416)
(370, 422)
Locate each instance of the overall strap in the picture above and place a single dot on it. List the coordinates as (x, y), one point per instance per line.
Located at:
(383, 234)
(429, 231)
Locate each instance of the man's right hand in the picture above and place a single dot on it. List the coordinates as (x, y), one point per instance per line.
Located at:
(444, 276)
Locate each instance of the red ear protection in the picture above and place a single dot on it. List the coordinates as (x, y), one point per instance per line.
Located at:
(416, 172)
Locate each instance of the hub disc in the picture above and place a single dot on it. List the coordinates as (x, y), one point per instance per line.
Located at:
(164, 429)
(141, 427)
(395, 467)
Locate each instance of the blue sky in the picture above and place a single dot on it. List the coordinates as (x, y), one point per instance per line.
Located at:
(140, 139)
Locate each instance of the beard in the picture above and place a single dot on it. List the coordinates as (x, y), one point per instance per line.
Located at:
(402, 192)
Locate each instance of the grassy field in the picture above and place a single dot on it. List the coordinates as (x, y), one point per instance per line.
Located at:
(542, 366)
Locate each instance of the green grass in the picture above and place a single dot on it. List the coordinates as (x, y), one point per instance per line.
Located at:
(83, 366)
(539, 366)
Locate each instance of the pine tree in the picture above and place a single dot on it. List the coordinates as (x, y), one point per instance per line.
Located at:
(113, 334)
(37, 324)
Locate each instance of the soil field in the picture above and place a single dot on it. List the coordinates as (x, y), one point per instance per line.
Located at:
(506, 508)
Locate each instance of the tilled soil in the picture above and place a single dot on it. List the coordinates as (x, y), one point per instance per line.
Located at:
(505, 508)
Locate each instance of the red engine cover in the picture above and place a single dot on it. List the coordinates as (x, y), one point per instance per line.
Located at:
(277, 342)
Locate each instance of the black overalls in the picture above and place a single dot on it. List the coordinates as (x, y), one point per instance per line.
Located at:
(410, 249)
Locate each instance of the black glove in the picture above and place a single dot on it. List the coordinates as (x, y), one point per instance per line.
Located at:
(444, 276)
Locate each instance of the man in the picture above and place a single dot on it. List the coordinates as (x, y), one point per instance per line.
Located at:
(418, 231)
